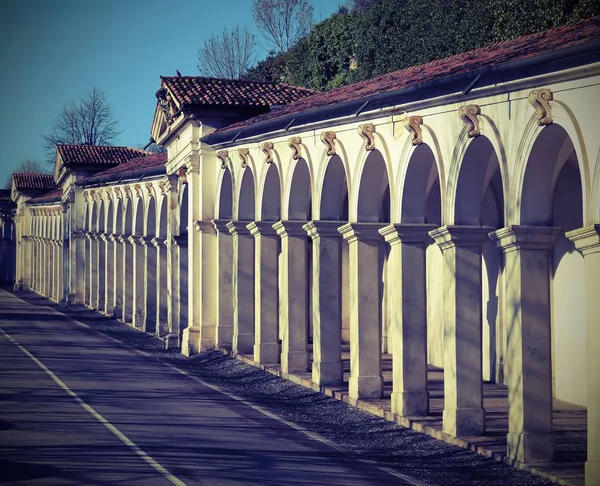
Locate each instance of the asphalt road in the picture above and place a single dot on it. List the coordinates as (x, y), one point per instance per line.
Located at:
(78, 408)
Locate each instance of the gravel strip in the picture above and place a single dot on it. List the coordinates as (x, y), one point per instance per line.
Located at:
(370, 437)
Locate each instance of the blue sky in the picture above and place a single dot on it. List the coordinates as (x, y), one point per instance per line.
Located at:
(54, 51)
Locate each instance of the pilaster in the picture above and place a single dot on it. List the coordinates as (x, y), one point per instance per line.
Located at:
(463, 388)
(528, 370)
(408, 326)
(326, 301)
(364, 243)
(587, 241)
(293, 296)
(224, 331)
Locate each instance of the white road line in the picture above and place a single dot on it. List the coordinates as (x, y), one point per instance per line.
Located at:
(126, 440)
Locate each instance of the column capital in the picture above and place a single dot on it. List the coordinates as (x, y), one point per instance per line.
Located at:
(221, 225)
(525, 237)
(132, 239)
(204, 226)
(104, 237)
(113, 237)
(261, 228)
(157, 241)
(180, 240)
(465, 236)
(290, 228)
(87, 235)
(145, 240)
(238, 227)
(586, 239)
(318, 228)
(76, 235)
(361, 231)
(121, 239)
(407, 233)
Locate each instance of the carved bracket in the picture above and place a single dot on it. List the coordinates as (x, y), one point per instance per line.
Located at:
(413, 125)
(127, 191)
(117, 192)
(294, 144)
(149, 189)
(138, 190)
(328, 138)
(267, 149)
(222, 156)
(468, 114)
(366, 131)
(182, 173)
(540, 99)
(244, 153)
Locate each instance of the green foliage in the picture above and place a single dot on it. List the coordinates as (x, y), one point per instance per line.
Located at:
(385, 35)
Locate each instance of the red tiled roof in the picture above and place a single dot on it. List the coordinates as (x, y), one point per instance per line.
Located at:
(501, 52)
(5, 195)
(196, 90)
(139, 163)
(55, 195)
(97, 154)
(34, 181)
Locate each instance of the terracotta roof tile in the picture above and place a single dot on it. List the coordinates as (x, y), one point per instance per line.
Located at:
(34, 181)
(140, 163)
(196, 90)
(5, 195)
(97, 154)
(501, 52)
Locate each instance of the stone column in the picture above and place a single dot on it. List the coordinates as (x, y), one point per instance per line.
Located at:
(174, 316)
(119, 262)
(408, 314)
(293, 293)
(94, 271)
(101, 272)
(463, 387)
(224, 333)
(150, 274)
(139, 294)
(161, 307)
(243, 287)
(110, 275)
(587, 241)
(200, 334)
(365, 309)
(128, 278)
(326, 301)
(266, 295)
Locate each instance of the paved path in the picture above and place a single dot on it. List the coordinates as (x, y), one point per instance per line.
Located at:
(78, 408)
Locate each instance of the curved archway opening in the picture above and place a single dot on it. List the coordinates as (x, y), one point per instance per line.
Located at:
(183, 264)
(271, 198)
(246, 200)
(150, 270)
(299, 204)
(226, 197)
(552, 195)
(129, 264)
(374, 191)
(162, 299)
(334, 194)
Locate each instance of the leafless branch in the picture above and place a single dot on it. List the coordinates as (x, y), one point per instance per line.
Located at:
(228, 55)
(282, 23)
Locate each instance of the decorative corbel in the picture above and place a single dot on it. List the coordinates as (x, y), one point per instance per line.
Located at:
(162, 185)
(150, 189)
(468, 114)
(366, 131)
(267, 148)
(294, 144)
(244, 153)
(117, 192)
(138, 190)
(328, 138)
(222, 156)
(413, 125)
(182, 173)
(127, 192)
(86, 196)
(540, 99)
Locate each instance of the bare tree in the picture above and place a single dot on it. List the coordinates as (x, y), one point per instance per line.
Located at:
(283, 22)
(89, 121)
(228, 55)
(28, 166)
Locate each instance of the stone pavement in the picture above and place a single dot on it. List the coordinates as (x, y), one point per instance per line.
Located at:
(569, 420)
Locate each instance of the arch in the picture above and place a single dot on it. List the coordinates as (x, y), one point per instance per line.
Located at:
(110, 225)
(119, 228)
(333, 196)
(372, 199)
(326, 176)
(420, 188)
(595, 199)
(183, 209)
(552, 155)
(128, 221)
(245, 206)
(94, 218)
(298, 201)
(138, 228)
(163, 217)
(101, 218)
(563, 118)
(224, 203)
(150, 220)
(270, 202)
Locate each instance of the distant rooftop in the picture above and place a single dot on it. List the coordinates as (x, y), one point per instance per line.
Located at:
(81, 154)
(34, 181)
(197, 90)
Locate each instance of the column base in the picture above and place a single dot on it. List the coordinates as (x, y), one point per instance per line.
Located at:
(294, 361)
(118, 312)
(163, 328)
(194, 342)
(464, 421)
(72, 299)
(365, 387)
(266, 353)
(150, 324)
(224, 336)
(327, 373)
(411, 403)
(529, 448)
(243, 343)
(172, 341)
(592, 473)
